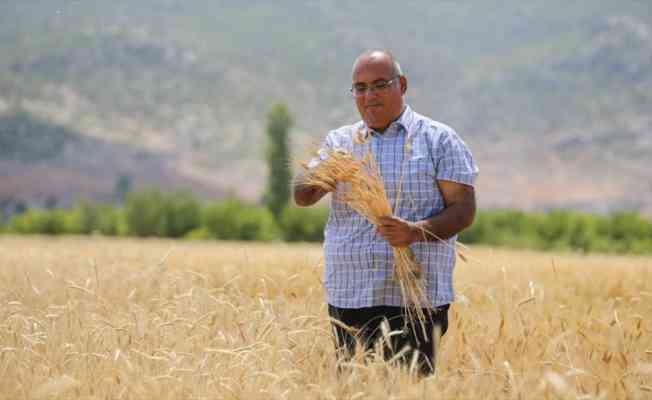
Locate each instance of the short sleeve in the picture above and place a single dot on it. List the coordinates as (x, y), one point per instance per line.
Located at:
(454, 161)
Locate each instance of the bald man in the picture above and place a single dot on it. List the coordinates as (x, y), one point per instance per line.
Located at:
(434, 172)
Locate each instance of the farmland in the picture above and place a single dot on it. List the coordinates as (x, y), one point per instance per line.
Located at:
(100, 318)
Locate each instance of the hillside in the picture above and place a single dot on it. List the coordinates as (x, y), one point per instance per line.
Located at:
(51, 165)
(553, 98)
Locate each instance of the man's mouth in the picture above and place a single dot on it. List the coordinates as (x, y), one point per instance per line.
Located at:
(373, 105)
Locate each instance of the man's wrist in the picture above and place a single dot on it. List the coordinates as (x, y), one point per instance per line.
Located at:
(416, 231)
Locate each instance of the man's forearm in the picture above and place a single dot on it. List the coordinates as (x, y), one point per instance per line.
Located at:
(304, 194)
(451, 221)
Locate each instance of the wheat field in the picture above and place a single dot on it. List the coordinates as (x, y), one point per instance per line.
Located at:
(97, 318)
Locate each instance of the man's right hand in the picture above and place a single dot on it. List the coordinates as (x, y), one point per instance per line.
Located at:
(305, 194)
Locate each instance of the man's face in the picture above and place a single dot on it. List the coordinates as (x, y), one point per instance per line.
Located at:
(379, 107)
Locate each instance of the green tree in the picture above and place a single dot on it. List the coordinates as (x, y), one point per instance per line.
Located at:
(277, 193)
(122, 187)
(182, 214)
(144, 213)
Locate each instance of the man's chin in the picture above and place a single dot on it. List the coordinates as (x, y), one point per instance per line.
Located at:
(374, 124)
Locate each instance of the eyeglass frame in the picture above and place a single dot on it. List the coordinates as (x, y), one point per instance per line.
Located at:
(373, 87)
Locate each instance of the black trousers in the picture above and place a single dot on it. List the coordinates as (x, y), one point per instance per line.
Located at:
(366, 324)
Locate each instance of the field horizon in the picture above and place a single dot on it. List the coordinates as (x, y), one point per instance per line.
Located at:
(94, 318)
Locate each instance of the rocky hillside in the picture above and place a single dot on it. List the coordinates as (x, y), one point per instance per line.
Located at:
(553, 98)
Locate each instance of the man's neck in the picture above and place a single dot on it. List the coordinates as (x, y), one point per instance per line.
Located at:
(382, 130)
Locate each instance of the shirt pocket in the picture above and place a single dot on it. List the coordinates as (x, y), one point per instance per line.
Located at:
(420, 170)
(420, 192)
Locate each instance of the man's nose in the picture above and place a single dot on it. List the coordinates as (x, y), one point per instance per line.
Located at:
(371, 93)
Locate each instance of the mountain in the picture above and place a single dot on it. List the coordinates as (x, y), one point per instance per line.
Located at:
(553, 98)
(52, 165)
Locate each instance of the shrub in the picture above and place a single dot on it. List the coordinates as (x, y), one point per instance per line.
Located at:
(152, 213)
(627, 226)
(201, 233)
(234, 220)
(38, 222)
(82, 219)
(181, 214)
(111, 221)
(304, 224)
(583, 233)
(144, 213)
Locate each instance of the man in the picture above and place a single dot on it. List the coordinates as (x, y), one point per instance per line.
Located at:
(427, 166)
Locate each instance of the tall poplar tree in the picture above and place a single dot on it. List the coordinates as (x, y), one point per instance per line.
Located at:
(277, 193)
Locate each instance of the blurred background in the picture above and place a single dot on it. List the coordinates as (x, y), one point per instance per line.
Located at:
(99, 99)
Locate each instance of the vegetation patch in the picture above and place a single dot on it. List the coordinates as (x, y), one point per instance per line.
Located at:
(26, 138)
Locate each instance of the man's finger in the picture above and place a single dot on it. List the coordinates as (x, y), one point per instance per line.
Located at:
(386, 233)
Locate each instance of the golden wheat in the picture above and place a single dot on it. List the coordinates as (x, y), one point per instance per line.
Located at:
(101, 318)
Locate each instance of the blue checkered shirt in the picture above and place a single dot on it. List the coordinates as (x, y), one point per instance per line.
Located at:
(359, 262)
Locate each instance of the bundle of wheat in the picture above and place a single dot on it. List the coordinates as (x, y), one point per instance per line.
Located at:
(365, 193)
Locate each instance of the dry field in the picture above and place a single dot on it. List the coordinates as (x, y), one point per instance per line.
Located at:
(143, 319)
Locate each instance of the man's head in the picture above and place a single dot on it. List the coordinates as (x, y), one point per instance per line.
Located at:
(378, 86)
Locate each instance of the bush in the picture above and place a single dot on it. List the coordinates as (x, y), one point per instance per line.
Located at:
(501, 228)
(304, 224)
(82, 219)
(234, 220)
(182, 214)
(554, 230)
(152, 213)
(629, 226)
(111, 221)
(38, 222)
(562, 230)
(583, 234)
(199, 234)
(144, 213)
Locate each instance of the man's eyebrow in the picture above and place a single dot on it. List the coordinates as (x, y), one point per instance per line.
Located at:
(375, 81)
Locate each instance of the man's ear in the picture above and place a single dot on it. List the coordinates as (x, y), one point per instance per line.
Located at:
(404, 84)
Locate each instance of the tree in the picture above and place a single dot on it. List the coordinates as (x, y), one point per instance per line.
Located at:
(277, 193)
(122, 187)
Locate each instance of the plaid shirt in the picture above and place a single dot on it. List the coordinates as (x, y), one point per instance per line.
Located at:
(359, 262)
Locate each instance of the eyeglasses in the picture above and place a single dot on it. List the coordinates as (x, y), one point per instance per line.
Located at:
(360, 89)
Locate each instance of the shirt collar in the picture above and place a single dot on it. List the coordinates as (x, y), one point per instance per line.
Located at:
(403, 123)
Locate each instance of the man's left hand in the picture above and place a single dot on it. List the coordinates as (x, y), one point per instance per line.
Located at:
(398, 232)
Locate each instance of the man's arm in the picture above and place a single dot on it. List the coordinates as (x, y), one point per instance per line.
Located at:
(458, 214)
(304, 194)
